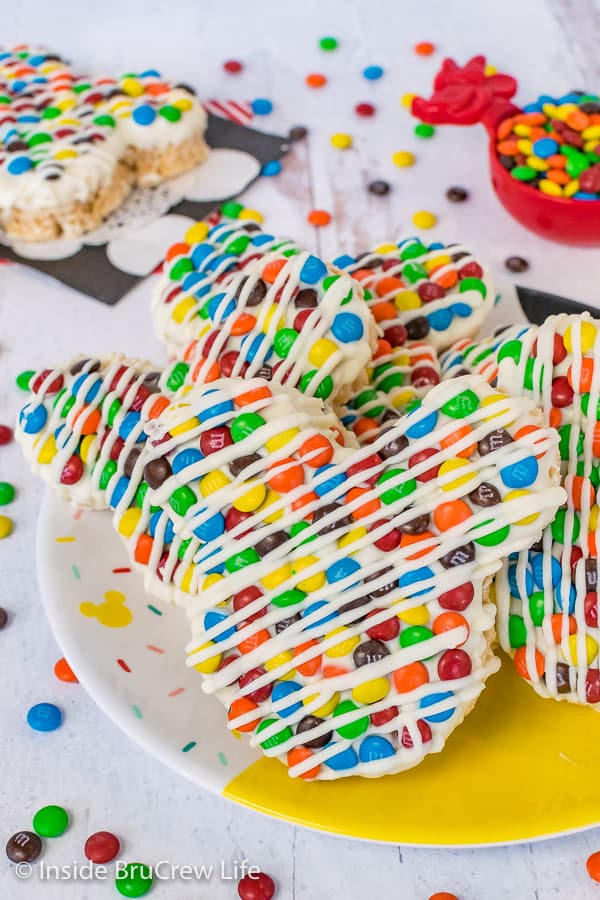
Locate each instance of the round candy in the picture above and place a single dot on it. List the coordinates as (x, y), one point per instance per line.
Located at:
(144, 114)
(516, 264)
(6, 434)
(424, 219)
(457, 194)
(379, 188)
(256, 886)
(372, 73)
(6, 527)
(341, 140)
(24, 846)
(51, 821)
(273, 167)
(3, 617)
(424, 48)
(319, 218)
(403, 158)
(592, 865)
(364, 109)
(134, 880)
(102, 847)
(7, 493)
(44, 717)
(328, 43)
(233, 66)
(316, 80)
(64, 672)
(261, 106)
(423, 130)
(23, 379)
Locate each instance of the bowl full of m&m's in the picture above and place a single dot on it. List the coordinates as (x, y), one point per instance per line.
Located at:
(544, 158)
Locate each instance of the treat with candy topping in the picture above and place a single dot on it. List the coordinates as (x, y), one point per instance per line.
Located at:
(252, 304)
(71, 147)
(336, 594)
(433, 293)
(547, 596)
(396, 378)
(85, 419)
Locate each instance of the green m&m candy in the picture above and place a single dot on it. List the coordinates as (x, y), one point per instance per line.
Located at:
(182, 499)
(133, 880)
(51, 821)
(510, 350)
(537, 608)
(23, 379)
(414, 635)
(355, 728)
(398, 491)
(517, 631)
(280, 737)
(461, 405)
(559, 526)
(284, 340)
(7, 493)
(242, 559)
(244, 424)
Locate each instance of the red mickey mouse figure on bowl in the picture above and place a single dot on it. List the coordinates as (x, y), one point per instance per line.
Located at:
(544, 159)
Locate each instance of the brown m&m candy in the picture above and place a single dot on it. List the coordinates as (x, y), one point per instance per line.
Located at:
(24, 846)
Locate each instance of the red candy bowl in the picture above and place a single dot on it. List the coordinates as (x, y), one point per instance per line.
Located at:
(467, 96)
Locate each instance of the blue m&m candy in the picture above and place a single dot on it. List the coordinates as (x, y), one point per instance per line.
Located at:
(144, 114)
(19, 165)
(347, 759)
(284, 689)
(422, 424)
(520, 474)
(261, 106)
(433, 700)
(372, 73)
(33, 418)
(313, 270)
(273, 167)
(44, 717)
(341, 568)
(347, 327)
(213, 618)
(375, 747)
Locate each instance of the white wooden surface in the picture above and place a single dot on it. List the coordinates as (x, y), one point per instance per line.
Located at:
(88, 766)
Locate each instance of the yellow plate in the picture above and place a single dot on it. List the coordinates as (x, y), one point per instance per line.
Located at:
(519, 768)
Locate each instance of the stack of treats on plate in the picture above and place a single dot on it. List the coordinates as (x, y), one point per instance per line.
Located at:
(351, 498)
(72, 147)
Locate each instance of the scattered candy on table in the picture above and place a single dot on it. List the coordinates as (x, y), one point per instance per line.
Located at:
(554, 145)
(51, 821)
(24, 846)
(64, 672)
(364, 109)
(424, 48)
(259, 886)
(372, 73)
(297, 132)
(319, 218)
(6, 527)
(328, 43)
(380, 188)
(44, 717)
(424, 219)
(102, 847)
(593, 866)
(273, 167)
(3, 617)
(233, 66)
(316, 80)
(261, 106)
(516, 264)
(457, 194)
(341, 140)
(134, 880)
(6, 434)
(403, 158)
(7, 493)
(423, 130)
(443, 895)
(407, 99)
